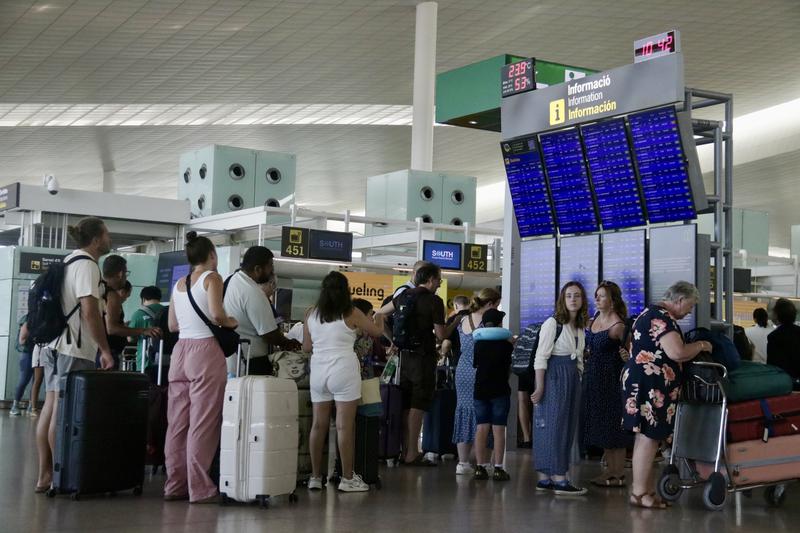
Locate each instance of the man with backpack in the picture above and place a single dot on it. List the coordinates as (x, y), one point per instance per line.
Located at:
(247, 303)
(64, 311)
(148, 315)
(418, 323)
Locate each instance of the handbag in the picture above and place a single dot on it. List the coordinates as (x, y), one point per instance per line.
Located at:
(227, 338)
(371, 403)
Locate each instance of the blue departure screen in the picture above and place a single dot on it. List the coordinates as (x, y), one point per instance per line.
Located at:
(662, 165)
(580, 261)
(569, 181)
(611, 167)
(623, 263)
(446, 255)
(537, 281)
(528, 188)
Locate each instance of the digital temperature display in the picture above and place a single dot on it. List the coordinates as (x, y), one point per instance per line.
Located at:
(659, 45)
(517, 78)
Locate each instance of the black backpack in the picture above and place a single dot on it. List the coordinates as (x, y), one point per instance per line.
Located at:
(524, 353)
(404, 334)
(46, 318)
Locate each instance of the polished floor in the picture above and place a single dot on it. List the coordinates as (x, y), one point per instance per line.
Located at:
(431, 499)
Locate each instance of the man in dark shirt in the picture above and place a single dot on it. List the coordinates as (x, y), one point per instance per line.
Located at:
(418, 364)
(782, 344)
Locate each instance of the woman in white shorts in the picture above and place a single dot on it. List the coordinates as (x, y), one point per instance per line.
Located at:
(330, 330)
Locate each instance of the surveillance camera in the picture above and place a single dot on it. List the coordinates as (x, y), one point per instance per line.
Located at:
(51, 183)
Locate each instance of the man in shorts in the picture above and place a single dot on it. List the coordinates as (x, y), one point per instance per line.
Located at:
(418, 364)
(78, 346)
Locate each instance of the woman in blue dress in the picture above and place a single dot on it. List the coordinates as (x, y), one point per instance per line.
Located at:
(465, 425)
(606, 355)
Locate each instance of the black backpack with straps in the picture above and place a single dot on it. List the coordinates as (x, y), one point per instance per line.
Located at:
(404, 327)
(46, 318)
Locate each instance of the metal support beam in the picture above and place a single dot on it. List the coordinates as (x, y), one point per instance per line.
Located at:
(424, 87)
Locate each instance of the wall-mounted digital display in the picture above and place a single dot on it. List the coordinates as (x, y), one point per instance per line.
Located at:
(611, 167)
(517, 78)
(656, 46)
(171, 267)
(445, 254)
(537, 281)
(672, 258)
(662, 165)
(569, 181)
(528, 188)
(580, 261)
(330, 245)
(624, 264)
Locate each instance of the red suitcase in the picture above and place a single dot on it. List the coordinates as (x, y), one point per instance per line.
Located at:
(764, 419)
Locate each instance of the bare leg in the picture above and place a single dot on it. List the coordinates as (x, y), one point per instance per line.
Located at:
(43, 443)
(414, 427)
(346, 435)
(644, 451)
(319, 430)
(524, 414)
(464, 451)
(481, 438)
(499, 433)
(38, 376)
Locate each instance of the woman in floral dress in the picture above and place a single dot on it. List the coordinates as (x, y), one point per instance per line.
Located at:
(651, 383)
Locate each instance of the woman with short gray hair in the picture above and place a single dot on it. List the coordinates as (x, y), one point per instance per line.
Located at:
(651, 383)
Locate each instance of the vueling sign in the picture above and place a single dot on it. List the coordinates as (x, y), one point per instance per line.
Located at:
(585, 99)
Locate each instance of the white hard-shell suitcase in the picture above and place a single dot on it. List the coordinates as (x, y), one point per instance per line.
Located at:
(258, 446)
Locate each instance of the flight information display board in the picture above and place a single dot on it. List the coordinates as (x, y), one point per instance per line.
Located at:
(528, 188)
(172, 266)
(611, 166)
(663, 168)
(624, 264)
(569, 181)
(580, 261)
(673, 251)
(537, 281)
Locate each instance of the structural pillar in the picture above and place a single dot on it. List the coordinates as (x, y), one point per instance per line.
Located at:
(424, 87)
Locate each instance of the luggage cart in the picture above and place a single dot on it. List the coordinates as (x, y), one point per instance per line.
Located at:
(699, 441)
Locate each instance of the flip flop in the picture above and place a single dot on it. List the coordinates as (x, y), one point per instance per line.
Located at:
(420, 461)
(611, 481)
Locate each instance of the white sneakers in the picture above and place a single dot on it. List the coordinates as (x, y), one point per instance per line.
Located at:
(314, 483)
(355, 484)
(465, 469)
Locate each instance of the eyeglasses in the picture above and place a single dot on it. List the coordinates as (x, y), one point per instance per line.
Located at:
(127, 273)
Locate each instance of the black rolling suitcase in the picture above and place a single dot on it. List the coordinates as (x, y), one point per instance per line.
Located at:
(158, 399)
(437, 426)
(101, 433)
(367, 457)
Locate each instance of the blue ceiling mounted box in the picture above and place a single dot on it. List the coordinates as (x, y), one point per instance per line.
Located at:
(221, 180)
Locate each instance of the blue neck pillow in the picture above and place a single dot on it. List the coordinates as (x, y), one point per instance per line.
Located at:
(491, 334)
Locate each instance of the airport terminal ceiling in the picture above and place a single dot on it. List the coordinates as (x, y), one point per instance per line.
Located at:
(339, 77)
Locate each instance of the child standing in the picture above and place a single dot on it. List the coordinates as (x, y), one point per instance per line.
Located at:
(492, 392)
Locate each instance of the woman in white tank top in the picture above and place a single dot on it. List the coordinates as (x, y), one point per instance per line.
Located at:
(330, 332)
(197, 377)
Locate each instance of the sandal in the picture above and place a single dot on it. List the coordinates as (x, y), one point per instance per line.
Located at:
(611, 481)
(420, 461)
(637, 501)
(41, 489)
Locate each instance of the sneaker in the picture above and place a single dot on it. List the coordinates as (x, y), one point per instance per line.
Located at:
(568, 489)
(355, 484)
(314, 483)
(500, 475)
(464, 469)
(544, 485)
(480, 473)
(14, 410)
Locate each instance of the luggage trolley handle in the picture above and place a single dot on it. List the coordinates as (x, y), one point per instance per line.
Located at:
(148, 341)
(711, 388)
(713, 365)
(239, 355)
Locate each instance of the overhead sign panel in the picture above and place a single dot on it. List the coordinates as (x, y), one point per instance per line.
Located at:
(569, 181)
(528, 187)
(447, 255)
(614, 92)
(611, 166)
(330, 245)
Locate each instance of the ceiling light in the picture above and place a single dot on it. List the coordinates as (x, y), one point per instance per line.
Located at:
(473, 122)
(43, 7)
